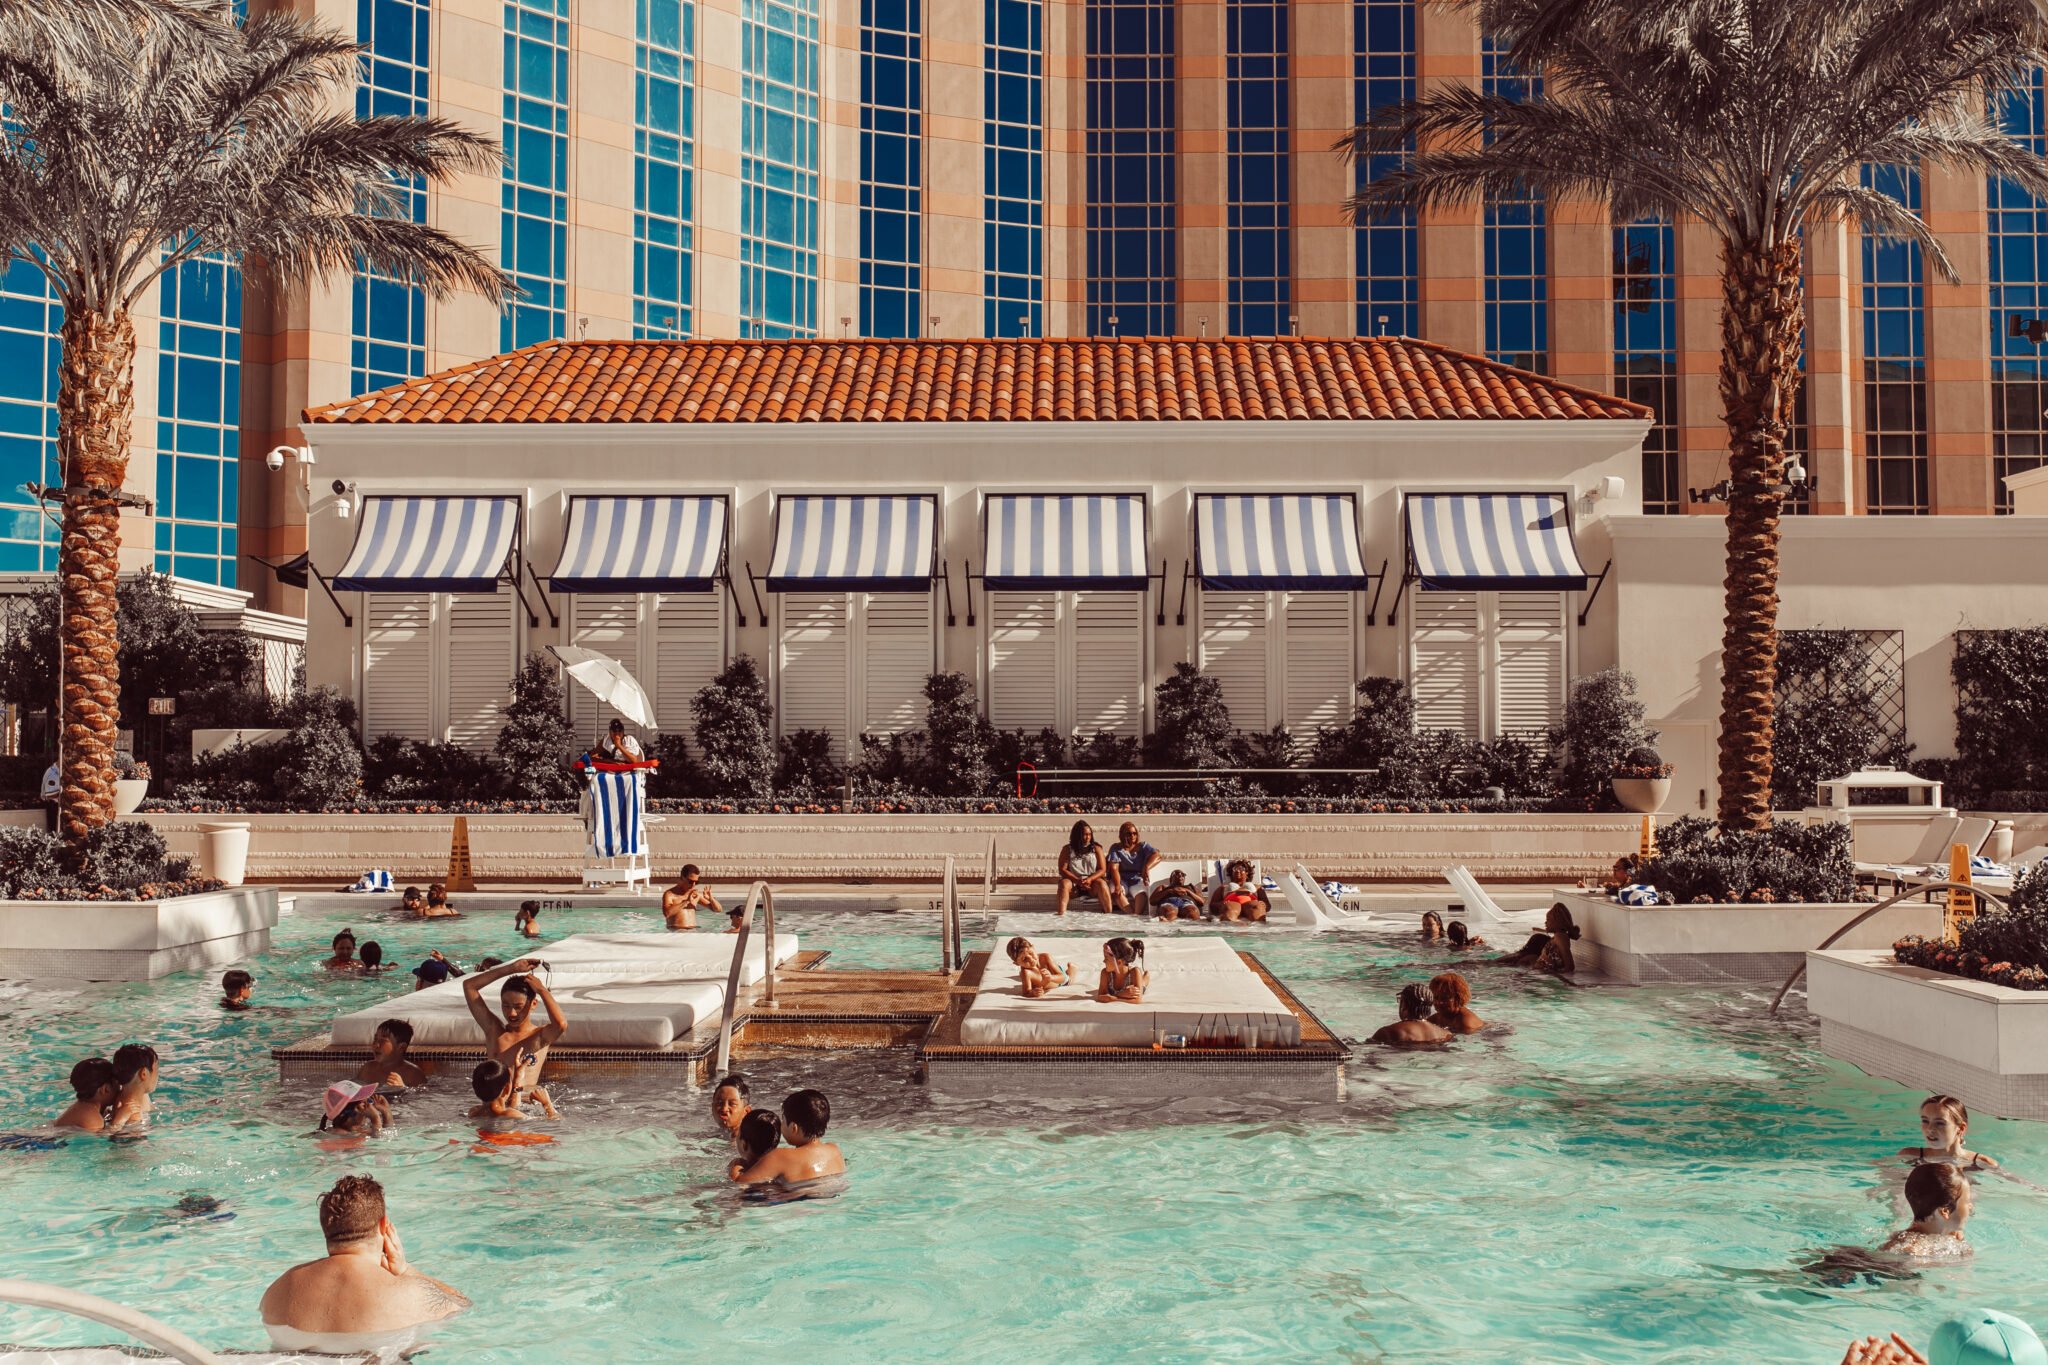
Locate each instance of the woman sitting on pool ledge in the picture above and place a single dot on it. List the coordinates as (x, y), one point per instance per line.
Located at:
(1083, 869)
(1414, 1029)
(1036, 971)
(1123, 978)
(1550, 948)
(1239, 898)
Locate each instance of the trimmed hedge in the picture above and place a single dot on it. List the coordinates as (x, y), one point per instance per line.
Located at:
(917, 805)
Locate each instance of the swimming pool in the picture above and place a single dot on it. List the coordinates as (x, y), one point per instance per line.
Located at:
(1628, 1174)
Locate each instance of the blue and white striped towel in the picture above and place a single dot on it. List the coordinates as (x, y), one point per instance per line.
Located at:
(1339, 890)
(1638, 893)
(1985, 867)
(618, 826)
(375, 881)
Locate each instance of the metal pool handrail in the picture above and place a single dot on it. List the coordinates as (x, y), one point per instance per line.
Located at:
(764, 896)
(988, 892)
(138, 1325)
(949, 913)
(1917, 889)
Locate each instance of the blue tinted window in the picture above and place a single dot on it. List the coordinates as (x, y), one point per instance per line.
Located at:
(1383, 73)
(1894, 359)
(1257, 243)
(1646, 350)
(29, 323)
(199, 414)
(1132, 264)
(1013, 168)
(664, 168)
(779, 168)
(388, 318)
(2019, 292)
(891, 177)
(1517, 254)
(533, 236)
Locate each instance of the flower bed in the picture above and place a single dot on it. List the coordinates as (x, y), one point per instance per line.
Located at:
(1935, 955)
(147, 891)
(912, 805)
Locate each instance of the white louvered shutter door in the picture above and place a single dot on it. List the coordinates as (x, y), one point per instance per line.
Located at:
(610, 624)
(812, 685)
(896, 658)
(398, 665)
(1109, 662)
(1233, 651)
(1529, 675)
(1318, 663)
(1023, 660)
(480, 666)
(689, 651)
(1444, 672)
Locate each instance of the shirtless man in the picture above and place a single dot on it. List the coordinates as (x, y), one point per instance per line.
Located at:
(681, 902)
(806, 1156)
(362, 1289)
(516, 1041)
(388, 1064)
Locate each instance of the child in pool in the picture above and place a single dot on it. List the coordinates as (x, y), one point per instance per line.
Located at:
(1036, 970)
(135, 1073)
(526, 919)
(1240, 899)
(344, 959)
(731, 1102)
(1940, 1200)
(1123, 973)
(388, 1064)
(1458, 938)
(759, 1133)
(808, 1156)
(92, 1080)
(351, 1108)
(493, 1083)
(1176, 899)
(372, 957)
(1943, 1122)
(236, 986)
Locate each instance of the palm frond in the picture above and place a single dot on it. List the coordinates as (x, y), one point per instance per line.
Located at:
(1883, 216)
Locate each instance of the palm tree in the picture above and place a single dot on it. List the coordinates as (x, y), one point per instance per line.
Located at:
(163, 132)
(1753, 117)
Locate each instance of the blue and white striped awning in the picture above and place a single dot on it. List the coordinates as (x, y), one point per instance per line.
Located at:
(431, 544)
(641, 544)
(854, 544)
(1278, 540)
(1065, 540)
(1478, 541)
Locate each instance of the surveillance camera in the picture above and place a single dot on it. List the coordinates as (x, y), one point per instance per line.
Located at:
(274, 461)
(1795, 472)
(343, 508)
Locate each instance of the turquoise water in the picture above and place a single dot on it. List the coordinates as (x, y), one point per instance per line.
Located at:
(1625, 1174)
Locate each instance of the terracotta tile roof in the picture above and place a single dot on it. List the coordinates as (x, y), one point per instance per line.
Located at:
(1074, 379)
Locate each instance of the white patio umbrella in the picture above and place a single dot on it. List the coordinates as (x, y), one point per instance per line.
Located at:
(607, 679)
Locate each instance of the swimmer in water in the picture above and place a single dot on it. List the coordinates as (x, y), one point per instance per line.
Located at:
(1037, 971)
(1943, 1123)
(438, 904)
(1414, 1028)
(413, 902)
(526, 919)
(388, 1064)
(493, 1084)
(1432, 926)
(1123, 971)
(344, 959)
(516, 1040)
(681, 902)
(1940, 1200)
(731, 1102)
(1458, 938)
(1452, 996)
(236, 986)
(808, 1156)
(92, 1080)
(759, 1134)
(135, 1073)
(373, 957)
(1550, 948)
(351, 1108)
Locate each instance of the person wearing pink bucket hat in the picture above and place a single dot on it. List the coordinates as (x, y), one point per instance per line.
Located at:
(352, 1107)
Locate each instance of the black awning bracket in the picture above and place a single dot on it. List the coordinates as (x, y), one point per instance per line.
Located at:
(1598, 584)
(754, 582)
(946, 578)
(968, 578)
(1180, 617)
(299, 565)
(1372, 613)
(541, 589)
(1160, 579)
(1394, 612)
(725, 573)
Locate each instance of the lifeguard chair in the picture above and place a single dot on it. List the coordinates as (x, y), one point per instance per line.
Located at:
(615, 824)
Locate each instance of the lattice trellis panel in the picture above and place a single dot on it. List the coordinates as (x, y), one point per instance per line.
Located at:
(1880, 668)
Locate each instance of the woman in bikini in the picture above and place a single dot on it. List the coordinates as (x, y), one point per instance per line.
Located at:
(1550, 949)
(1943, 1122)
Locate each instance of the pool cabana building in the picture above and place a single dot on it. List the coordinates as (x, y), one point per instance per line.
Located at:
(1061, 520)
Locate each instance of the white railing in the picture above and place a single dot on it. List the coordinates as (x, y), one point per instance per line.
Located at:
(759, 894)
(143, 1328)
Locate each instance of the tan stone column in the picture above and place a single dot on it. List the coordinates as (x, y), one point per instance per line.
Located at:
(1834, 369)
(1581, 287)
(1320, 108)
(602, 116)
(1202, 172)
(1702, 438)
(1451, 243)
(1958, 348)
(839, 106)
(1066, 170)
(955, 182)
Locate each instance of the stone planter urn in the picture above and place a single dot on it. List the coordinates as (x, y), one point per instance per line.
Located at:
(1642, 795)
(128, 794)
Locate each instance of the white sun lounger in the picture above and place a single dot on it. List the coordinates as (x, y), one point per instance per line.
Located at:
(1482, 908)
(1929, 862)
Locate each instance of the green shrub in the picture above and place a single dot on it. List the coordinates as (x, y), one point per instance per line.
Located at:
(736, 731)
(30, 858)
(127, 855)
(399, 769)
(1828, 719)
(319, 764)
(1431, 764)
(2006, 947)
(892, 764)
(534, 748)
(1046, 748)
(1108, 749)
(680, 775)
(1700, 864)
(1381, 726)
(957, 738)
(1190, 722)
(1603, 722)
(2001, 679)
(805, 766)
(1272, 748)
(1514, 765)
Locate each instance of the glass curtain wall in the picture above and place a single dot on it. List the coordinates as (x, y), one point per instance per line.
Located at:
(1894, 359)
(1013, 168)
(534, 222)
(1132, 266)
(1383, 73)
(891, 166)
(1260, 259)
(779, 168)
(1517, 254)
(199, 420)
(664, 167)
(388, 318)
(2019, 295)
(30, 323)
(1646, 350)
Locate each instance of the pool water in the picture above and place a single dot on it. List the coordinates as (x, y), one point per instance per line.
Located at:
(1620, 1175)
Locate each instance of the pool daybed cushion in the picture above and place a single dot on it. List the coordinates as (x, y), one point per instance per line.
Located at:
(1199, 987)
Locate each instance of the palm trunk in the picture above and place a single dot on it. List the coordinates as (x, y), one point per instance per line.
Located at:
(95, 408)
(1762, 305)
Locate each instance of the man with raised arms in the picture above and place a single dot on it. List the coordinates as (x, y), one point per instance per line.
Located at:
(516, 1040)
